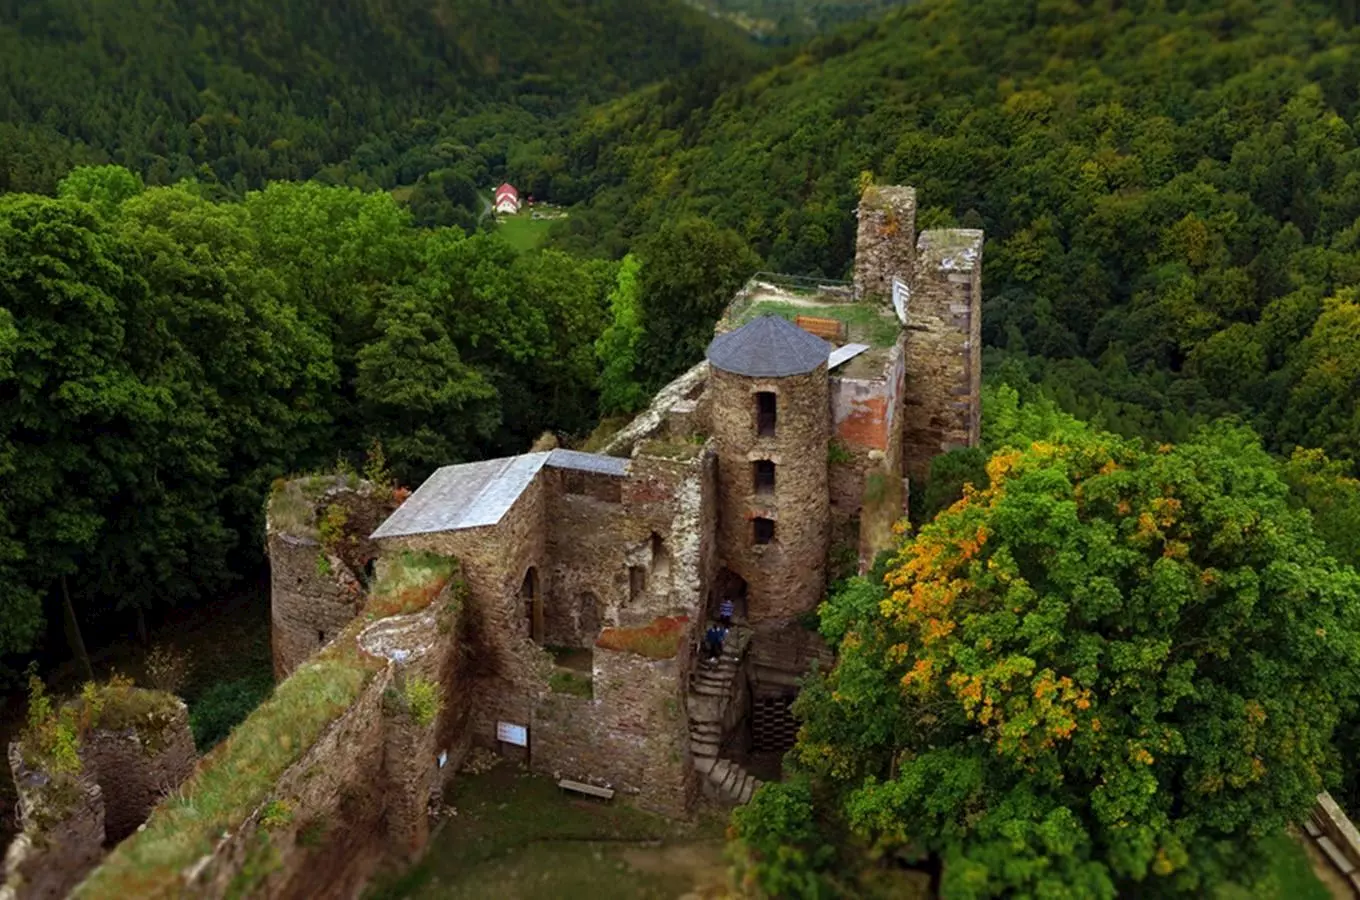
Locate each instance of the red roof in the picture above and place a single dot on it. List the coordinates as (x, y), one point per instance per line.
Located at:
(506, 190)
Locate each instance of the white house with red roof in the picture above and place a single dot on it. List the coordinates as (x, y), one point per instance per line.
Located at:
(507, 199)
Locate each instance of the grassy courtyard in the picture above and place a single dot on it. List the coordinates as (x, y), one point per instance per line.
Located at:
(516, 835)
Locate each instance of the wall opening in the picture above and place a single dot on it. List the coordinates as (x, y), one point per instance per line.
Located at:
(762, 530)
(637, 582)
(731, 587)
(762, 474)
(533, 604)
(766, 413)
(661, 559)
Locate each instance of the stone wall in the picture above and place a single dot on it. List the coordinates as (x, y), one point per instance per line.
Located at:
(886, 242)
(505, 669)
(782, 652)
(788, 576)
(138, 765)
(62, 837)
(316, 591)
(943, 348)
(137, 749)
(320, 833)
(633, 736)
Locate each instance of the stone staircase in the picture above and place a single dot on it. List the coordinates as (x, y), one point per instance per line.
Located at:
(710, 688)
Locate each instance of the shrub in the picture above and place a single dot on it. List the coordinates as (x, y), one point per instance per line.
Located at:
(423, 700)
(167, 669)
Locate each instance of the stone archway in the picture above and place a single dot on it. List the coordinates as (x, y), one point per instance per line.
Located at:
(728, 585)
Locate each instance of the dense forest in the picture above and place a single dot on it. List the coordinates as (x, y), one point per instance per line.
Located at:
(783, 22)
(436, 96)
(1169, 190)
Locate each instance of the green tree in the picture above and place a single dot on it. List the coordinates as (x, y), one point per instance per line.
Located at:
(1109, 670)
(617, 349)
(690, 271)
(105, 187)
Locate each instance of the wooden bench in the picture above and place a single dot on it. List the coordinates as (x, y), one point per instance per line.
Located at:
(582, 788)
(828, 329)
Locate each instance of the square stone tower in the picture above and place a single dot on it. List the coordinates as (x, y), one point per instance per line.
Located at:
(934, 285)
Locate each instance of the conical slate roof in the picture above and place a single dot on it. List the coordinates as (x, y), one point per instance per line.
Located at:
(768, 347)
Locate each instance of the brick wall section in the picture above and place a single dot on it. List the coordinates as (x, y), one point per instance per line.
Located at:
(786, 648)
(886, 243)
(788, 576)
(137, 766)
(943, 347)
(63, 832)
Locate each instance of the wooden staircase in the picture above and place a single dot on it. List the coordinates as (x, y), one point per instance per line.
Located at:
(710, 687)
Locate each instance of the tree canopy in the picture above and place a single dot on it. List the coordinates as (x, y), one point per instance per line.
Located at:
(1108, 668)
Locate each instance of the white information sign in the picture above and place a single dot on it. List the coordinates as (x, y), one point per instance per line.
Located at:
(512, 734)
(901, 297)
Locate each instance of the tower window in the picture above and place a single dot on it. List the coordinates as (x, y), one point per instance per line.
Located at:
(766, 414)
(763, 470)
(763, 530)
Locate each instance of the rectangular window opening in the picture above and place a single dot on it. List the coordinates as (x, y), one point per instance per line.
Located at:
(637, 582)
(763, 530)
(766, 414)
(764, 476)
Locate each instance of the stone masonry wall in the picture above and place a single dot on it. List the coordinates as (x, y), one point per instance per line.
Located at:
(886, 243)
(506, 670)
(332, 837)
(788, 576)
(943, 348)
(137, 766)
(316, 591)
(633, 736)
(63, 832)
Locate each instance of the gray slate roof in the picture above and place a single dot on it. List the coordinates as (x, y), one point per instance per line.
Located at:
(473, 495)
(844, 354)
(768, 347)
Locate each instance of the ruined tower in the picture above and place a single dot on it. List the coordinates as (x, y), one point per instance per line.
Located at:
(934, 285)
(770, 426)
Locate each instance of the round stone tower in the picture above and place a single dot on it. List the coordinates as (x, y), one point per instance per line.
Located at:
(770, 422)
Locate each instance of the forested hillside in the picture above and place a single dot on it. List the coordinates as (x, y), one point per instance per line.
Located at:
(784, 21)
(1170, 191)
(361, 92)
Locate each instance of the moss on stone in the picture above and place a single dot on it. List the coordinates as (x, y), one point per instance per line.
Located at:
(677, 449)
(411, 581)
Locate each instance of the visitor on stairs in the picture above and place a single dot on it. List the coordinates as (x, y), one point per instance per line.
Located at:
(713, 641)
(725, 613)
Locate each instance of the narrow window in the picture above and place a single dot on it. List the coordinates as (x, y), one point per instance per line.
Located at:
(764, 476)
(765, 414)
(637, 581)
(321, 637)
(763, 530)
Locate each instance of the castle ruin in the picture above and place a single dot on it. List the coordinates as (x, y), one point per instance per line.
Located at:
(777, 463)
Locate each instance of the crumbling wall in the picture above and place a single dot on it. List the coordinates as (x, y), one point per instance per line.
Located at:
(943, 348)
(139, 764)
(62, 836)
(633, 736)
(320, 833)
(787, 576)
(885, 245)
(319, 549)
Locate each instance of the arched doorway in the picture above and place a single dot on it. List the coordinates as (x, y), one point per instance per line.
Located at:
(728, 585)
(532, 598)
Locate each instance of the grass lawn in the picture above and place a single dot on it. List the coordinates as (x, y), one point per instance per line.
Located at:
(517, 835)
(1291, 871)
(522, 231)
